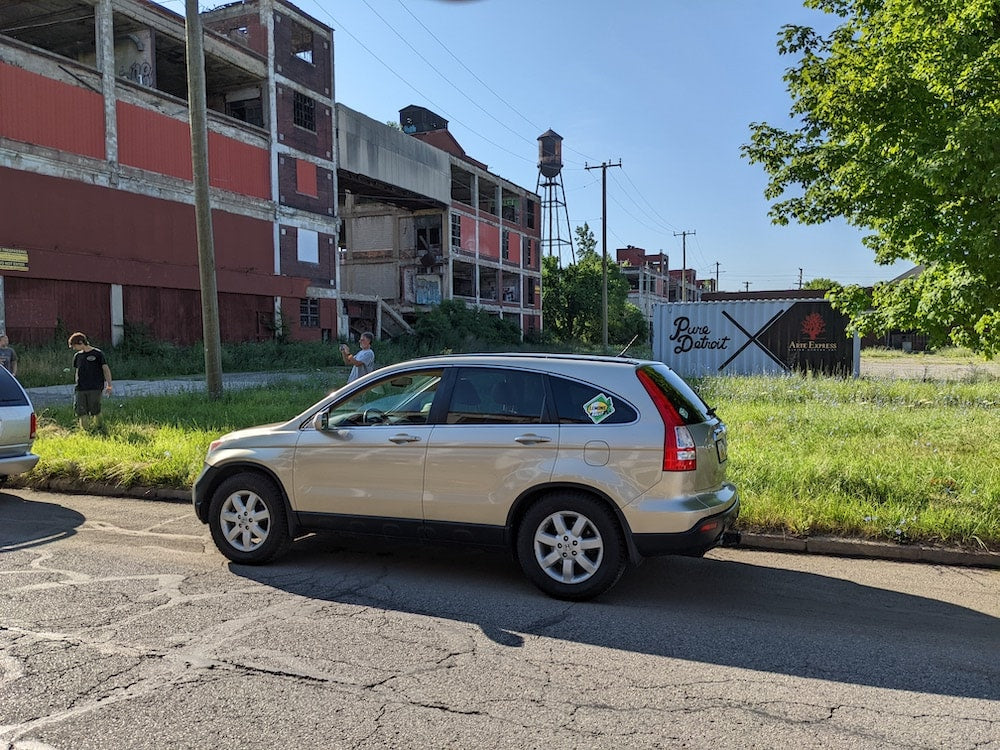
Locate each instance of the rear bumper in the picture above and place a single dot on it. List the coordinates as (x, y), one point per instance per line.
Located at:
(17, 464)
(700, 538)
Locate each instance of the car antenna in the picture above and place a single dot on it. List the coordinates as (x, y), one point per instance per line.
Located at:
(622, 352)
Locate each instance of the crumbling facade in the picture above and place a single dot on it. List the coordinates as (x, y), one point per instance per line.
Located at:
(97, 226)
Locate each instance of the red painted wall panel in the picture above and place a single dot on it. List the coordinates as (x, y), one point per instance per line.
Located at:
(153, 141)
(468, 234)
(305, 178)
(39, 110)
(238, 167)
(149, 140)
(37, 308)
(175, 314)
(489, 241)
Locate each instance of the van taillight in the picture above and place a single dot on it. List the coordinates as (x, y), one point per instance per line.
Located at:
(679, 450)
(34, 425)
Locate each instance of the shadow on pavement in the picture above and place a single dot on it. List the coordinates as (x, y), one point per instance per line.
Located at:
(28, 523)
(702, 610)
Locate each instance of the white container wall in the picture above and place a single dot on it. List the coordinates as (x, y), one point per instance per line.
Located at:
(751, 337)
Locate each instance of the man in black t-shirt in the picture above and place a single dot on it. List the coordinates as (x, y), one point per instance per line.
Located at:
(93, 379)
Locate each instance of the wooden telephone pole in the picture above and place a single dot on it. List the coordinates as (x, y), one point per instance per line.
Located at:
(604, 247)
(202, 204)
(684, 262)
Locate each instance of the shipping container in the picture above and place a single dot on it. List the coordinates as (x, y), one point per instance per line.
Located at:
(753, 337)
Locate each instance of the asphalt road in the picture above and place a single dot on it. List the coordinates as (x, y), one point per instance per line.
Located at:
(122, 627)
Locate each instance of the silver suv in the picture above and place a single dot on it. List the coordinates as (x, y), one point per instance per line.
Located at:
(18, 425)
(577, 464)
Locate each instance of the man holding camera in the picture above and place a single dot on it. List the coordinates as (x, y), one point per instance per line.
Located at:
(363, 362)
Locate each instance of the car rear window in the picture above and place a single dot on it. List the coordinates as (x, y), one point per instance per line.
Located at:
(10, 392)
(688, 404)
(576, 403)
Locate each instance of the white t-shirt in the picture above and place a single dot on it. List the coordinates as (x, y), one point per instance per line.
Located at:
(366, 358)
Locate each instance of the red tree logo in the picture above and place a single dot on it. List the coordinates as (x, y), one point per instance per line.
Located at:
(813, 326)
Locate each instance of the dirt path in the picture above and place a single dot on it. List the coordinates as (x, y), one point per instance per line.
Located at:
(906, 367)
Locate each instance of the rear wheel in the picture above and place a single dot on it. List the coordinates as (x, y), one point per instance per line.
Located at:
(248, 519)
(571, 546)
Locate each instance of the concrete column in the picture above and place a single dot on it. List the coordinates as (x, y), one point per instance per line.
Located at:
(117, 315)
(105, 42)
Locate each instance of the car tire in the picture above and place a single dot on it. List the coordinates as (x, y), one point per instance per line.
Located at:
(248, 519)
(571, 546)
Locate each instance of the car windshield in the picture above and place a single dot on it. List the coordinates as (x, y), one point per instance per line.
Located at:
(399, 399)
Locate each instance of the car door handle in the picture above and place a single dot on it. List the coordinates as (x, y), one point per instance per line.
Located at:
(531, 439)
(404, 438)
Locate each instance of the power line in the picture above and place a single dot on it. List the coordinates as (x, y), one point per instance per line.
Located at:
(443, 76)
(457, 59)
(340, 27)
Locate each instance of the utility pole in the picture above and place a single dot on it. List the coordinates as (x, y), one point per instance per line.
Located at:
(604, 247)
(800, 278)
(684, 262)
(746, 286)
(197, 109)
(716, 275)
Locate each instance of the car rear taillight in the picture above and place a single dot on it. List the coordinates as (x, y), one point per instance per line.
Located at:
(679, 450)
(34, 425)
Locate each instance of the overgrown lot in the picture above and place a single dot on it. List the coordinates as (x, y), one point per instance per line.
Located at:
(885, 459)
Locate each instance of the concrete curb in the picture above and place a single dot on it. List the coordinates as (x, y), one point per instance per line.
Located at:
(820, 545)
(864, 548)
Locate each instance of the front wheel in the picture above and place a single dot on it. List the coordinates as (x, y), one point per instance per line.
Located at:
(248, 520)
(571, 546)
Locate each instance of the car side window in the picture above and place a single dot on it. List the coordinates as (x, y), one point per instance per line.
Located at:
(400, 399)
(581, 403)
(495, 396)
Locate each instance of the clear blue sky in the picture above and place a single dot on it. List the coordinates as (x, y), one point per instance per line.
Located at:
(669, 87)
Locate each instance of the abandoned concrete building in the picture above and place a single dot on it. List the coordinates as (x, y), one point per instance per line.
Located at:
(326, 223)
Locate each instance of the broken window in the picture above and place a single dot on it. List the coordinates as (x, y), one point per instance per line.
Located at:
(304, 111)
(487, 197)
(529, 214)
(302, 42)
(250, 111)
(511, 209)
(456, 231)
(505, 245)
(461, 186)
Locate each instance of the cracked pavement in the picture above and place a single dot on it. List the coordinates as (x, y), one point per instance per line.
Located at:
(121, 626)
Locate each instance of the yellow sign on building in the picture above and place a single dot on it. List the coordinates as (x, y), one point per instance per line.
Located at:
(13, 260)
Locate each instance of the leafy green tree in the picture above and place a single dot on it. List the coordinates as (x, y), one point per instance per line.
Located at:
(571, 298)
(821, 283)
(897, 129)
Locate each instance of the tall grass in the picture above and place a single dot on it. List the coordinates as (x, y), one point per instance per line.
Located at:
(883, 459)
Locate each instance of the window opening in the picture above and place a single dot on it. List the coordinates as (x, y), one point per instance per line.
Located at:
(302, 42)
(309, 313)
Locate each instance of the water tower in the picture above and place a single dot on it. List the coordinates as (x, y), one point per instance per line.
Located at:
(550, 188)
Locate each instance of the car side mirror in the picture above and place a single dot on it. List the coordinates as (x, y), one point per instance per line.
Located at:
(321, 421)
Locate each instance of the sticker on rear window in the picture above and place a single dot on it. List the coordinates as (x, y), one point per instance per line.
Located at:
(599, 408)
